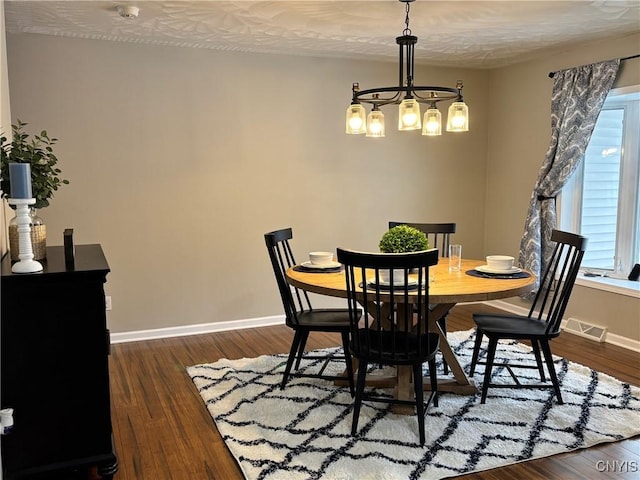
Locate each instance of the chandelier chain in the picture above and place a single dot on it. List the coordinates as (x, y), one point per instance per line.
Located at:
(407, 30)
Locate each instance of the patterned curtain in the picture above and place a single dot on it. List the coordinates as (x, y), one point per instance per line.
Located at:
(578, 96)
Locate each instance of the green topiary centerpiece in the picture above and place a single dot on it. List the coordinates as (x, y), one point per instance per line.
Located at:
(403, 239)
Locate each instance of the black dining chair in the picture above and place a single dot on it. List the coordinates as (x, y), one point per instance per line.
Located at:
(439, 235)
(390, 331)
(302, 317)
(541, 325)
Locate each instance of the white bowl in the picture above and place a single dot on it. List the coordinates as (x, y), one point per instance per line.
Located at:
(398, 276)
(321, 258)
(500, 262)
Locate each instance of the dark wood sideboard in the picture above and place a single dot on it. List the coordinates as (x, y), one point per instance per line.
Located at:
(54, 367)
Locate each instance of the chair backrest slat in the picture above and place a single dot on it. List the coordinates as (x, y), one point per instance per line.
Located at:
(439, 234)
(556, 284)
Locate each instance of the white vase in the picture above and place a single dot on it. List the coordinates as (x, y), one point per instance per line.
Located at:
(38, 237)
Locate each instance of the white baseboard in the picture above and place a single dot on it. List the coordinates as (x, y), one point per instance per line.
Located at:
(198, 329)
(611, 338)
(213, 327)
(623, 342)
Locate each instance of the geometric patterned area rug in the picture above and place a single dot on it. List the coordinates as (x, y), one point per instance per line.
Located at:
(303, 431)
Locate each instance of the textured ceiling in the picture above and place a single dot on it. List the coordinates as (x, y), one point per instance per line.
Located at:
(479, 34)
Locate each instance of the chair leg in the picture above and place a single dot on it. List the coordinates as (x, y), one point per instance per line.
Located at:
(433, 376)
(357, 403)
(546, 349)
(536, 351)
(419, 394)
(297, 337)
(303, 343)
(476, 351)
(348, 362)
(443, 325)
(491, 353)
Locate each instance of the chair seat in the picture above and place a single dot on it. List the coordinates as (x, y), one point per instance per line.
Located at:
(511, 326)
(381, 346)
(327, 319)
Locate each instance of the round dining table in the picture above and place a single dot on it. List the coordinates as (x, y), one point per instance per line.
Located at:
(445, 290)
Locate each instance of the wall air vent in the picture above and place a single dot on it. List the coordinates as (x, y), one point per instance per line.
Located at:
(584, 329)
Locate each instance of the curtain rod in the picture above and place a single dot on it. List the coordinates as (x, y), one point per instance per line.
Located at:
(551, 74)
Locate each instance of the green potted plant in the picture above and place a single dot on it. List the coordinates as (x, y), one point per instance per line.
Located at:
(402, 239)
(37, 150)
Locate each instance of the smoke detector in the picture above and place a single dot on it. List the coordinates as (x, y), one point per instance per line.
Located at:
(128, 11)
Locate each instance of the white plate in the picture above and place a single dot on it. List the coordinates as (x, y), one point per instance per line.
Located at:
(487, 269)
(308, 264)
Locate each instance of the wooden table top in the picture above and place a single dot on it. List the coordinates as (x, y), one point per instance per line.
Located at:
(445, 287)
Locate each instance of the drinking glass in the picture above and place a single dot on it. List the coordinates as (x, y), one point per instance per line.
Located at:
(455, 257)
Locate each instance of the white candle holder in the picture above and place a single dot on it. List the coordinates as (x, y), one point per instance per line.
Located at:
(26, 264)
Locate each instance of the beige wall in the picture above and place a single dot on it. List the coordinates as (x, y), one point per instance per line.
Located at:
(519, 134)
(180, 160)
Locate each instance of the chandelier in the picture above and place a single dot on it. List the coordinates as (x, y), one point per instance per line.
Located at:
(408, 97)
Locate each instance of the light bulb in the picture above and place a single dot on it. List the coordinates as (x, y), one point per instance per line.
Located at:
(409, 118)
(375, 127)
(409, 115)
(458, 117)
(432, 122)
(375, 124)
(457, 121)
(355, 122)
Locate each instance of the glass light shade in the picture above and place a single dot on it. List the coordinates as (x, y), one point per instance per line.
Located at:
(458, 117)
(375, 124)
(409, 115)
(432, 124)
(356, 119)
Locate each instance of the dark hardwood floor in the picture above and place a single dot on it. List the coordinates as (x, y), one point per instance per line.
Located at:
(162, 429)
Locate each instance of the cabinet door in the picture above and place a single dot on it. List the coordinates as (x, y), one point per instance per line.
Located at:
(55, 372)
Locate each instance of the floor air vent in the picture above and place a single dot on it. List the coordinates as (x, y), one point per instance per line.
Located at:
(584, 329)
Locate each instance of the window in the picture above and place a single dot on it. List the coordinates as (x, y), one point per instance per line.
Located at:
(601, 199)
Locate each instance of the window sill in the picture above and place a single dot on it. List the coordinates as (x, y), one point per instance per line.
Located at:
(614, 285)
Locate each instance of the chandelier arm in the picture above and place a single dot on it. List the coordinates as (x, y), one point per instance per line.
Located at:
(362, 95)
(447, 94)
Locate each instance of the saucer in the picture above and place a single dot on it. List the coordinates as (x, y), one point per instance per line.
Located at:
(331, 265)
(487, 269)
